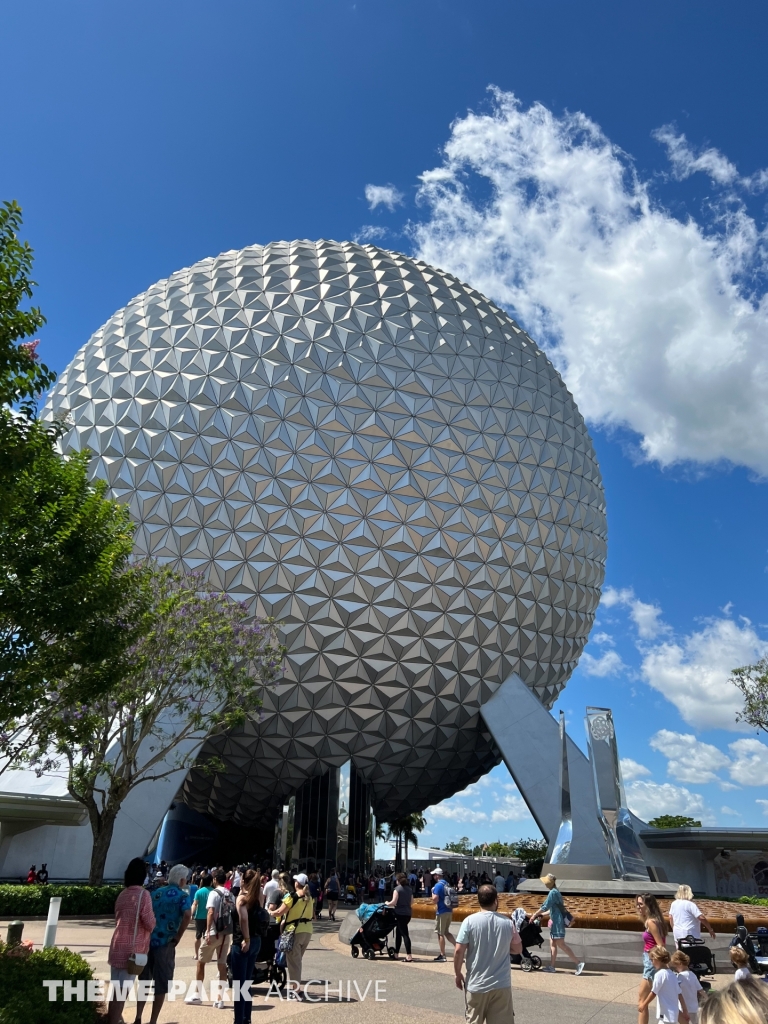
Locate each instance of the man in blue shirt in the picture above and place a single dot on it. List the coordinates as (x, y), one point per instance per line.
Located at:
(443, 914)
(172, 907)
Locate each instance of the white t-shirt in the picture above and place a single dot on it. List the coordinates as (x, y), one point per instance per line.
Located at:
(685, 919)
(271, 892)
(742, 974)
(487, 936)
(215, 898)
(689, 990)
(499, 883)
(667, 991)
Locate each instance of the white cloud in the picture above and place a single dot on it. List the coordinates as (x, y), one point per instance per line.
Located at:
(725, 809)
(602, 638)
(383, 195)
(370, 233)
(690, 760)
(650, 799)
(686, 162)
(763, 804)
(750, 762)
(646, 617)
(512, 808)
(693, 671)
(607, 664)
(450, 811)
(648, 316)
(612, 597)
(631, 770)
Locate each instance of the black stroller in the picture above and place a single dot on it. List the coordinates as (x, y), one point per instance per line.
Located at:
(702, 958)
(530, 935)
(372, 937)
(265, 969)
(754, 944)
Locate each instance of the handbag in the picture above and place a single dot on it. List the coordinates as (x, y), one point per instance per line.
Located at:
(285, 945)
(137, 961)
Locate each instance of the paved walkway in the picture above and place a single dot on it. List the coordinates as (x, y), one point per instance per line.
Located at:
(422, 992)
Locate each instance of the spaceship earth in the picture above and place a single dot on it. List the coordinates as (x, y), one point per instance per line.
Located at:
(370, 451)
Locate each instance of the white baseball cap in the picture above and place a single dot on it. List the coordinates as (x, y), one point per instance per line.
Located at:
(437, 871)
(301, 879)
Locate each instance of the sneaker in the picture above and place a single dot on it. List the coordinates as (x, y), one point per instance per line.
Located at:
(219, 1005)
(579, 969)
(549, 970)
(193, 1001)
(440, 959)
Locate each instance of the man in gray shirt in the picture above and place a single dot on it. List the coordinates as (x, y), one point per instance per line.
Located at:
(485, 940)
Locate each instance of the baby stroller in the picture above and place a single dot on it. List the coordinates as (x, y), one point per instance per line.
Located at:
(702, 958)
(754, 944)
(377, 923)
(530, 935)
(350, 895)
(265, 969)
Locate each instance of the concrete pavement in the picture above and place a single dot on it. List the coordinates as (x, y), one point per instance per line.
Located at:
(422, 992)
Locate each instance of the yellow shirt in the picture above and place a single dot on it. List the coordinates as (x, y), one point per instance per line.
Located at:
(302, 911)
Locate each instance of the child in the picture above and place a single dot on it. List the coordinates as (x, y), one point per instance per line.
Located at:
(666, 989)
(690, 988)
(740, 961)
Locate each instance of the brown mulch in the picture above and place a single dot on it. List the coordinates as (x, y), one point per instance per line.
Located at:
(612, 912)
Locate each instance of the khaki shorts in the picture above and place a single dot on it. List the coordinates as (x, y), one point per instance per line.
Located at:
(494, 1007)
(215, 950)
(443, 922)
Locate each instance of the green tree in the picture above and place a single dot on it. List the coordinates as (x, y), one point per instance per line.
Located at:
(674, 821)
(64, 546)
(199, 667)
(462, 846)
(497, 849)
(404, 831)
(752, 682)
(22, 376)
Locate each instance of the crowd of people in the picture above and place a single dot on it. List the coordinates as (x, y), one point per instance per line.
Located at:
(236, 911)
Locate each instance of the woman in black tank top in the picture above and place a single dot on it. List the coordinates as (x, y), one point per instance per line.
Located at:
(246, 939)
(401, 901)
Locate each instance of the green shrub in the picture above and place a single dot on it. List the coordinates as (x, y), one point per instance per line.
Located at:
(755, 901)
(24, 1000)
(32, 900)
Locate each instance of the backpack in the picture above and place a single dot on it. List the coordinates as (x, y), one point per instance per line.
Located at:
(226, 910)
(450, 897)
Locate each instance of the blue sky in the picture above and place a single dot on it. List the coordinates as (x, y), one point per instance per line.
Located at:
(609, 193)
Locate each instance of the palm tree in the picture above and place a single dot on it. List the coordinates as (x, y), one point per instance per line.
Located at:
(404, 830)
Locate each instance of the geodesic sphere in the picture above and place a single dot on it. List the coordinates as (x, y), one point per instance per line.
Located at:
(373, 453)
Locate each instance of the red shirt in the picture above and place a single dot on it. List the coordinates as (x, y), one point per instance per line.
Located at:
(122, 944)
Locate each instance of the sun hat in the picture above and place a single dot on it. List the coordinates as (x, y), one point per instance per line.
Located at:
(549, 880)
(301, 879)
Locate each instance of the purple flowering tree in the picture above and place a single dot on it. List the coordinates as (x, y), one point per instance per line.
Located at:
(199, 667)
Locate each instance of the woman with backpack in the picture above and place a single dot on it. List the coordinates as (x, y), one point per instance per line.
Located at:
(246, 938)
(295, 914)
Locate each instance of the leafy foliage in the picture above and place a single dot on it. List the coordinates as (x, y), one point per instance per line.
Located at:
(497, 849)
(530, 851)
(24, 1000)
(64, 585)
(22, 376)
(752, 681)
(63, 545)
(674, 821)
(462, 846)
(32, 900)
(197, 668)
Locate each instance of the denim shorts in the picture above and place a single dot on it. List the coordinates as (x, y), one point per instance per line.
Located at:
(648, 968)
